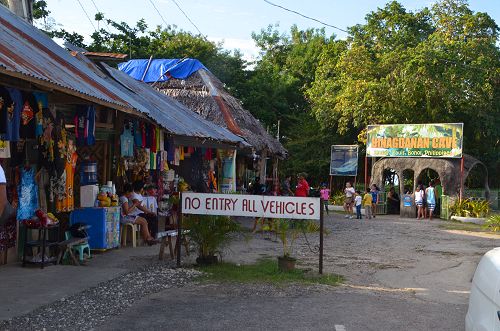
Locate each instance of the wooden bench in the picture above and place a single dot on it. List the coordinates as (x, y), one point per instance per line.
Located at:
(66, 247)
(166, 239)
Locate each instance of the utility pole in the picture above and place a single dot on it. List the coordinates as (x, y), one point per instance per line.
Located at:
(22, 8)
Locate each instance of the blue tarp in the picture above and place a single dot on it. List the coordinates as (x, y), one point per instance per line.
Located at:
(177, 68)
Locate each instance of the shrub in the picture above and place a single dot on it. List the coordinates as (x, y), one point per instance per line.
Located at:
(470, 208)
(493, 223)
(210, 233)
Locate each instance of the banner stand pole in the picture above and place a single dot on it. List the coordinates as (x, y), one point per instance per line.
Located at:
(179, 232)
(321, 225)
(461, 178)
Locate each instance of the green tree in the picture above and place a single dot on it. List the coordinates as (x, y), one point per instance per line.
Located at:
(434, 65)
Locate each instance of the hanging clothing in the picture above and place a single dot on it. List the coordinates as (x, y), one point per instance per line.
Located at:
(5, 104)
(181, 153)
(153, 139)
(27, 129)
(137, 134)
(159, 139)
(42, 103)
(177, 156)
(42, 180)
(27, 193)
(91, 126)
(127, 143)
(152, 160)
(148, 136)
(84, 121)
(14, 115)
(143, 134)
(4, 149)
(66, 201)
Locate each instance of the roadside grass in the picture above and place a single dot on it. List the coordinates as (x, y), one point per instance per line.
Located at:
(456, 225)
(264, 271)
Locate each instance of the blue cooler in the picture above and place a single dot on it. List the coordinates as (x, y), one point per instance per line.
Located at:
(104, 231)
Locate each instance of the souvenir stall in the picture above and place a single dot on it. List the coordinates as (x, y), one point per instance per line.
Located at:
(38, 154)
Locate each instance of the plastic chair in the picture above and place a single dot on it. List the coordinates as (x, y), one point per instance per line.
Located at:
(78, 248)
(135, 231)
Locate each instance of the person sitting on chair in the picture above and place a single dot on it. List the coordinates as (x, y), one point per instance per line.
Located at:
(130, 214)
(137, 199)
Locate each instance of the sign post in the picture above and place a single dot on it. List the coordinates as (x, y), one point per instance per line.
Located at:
(321, 224)
(257, 206)
(178, 243)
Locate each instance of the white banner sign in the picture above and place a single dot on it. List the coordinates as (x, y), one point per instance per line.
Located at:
(251, 205)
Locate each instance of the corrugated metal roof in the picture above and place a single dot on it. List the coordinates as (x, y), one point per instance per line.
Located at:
(27, 51)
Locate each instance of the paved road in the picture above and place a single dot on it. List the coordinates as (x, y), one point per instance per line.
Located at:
(401, 275)
(196, 308)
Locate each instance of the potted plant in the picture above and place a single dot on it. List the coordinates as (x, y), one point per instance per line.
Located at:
(288, 231)
(210, 234)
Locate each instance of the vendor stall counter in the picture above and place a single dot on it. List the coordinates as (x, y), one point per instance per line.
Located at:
(104, 231)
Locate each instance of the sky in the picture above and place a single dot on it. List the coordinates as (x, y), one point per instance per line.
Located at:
(233, 21)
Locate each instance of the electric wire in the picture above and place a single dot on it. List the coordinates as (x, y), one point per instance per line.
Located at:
(86, 14)
(159, 13)
(190, 21)
(99, 12)
(309, 18)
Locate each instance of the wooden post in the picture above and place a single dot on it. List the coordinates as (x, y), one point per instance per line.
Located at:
(331, 180)
(461, 178)
(179, 232)
(321, 225)
(366, 172)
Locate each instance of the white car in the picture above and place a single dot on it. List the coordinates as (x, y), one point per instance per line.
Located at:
(484, 301)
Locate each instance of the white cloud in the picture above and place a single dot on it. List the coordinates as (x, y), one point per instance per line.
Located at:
(246, 46)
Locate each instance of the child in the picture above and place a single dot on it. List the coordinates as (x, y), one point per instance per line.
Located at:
(367, 203)
(325, 196)
(357, 202)
(419, 202)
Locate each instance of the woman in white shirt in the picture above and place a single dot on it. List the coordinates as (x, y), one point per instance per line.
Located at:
(130, 212)
(419, 202)
(3, 191)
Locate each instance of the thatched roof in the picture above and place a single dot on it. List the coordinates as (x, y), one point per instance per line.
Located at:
(205, 94)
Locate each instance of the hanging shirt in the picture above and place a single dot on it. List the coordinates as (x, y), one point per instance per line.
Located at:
(14, 115)
(91, 126)
(127, 144)
(3, 180)
(159, 139)
(80, 121)
(42, 103)
(137, 134)
(5, 104)
(27, 129)
(153, 139)
(27, 192)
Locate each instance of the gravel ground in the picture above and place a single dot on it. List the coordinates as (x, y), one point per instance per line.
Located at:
(93, 306)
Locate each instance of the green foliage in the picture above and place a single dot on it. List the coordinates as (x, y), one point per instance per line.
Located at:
(264, 271)
(289, 230)
(470, 208)
(493, 223)
(210, 233)
(337, 198)
(433, 65)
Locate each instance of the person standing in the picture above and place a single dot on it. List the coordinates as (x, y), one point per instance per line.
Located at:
(430, 195)
(4, 204)
(325, 196)
(286, 189)
(302, 189)
(357, 201)
(367, 203)
(374, 192)
(419, 202)
(349, 199)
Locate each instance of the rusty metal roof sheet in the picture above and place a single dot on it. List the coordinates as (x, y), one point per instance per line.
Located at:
(28, 53)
